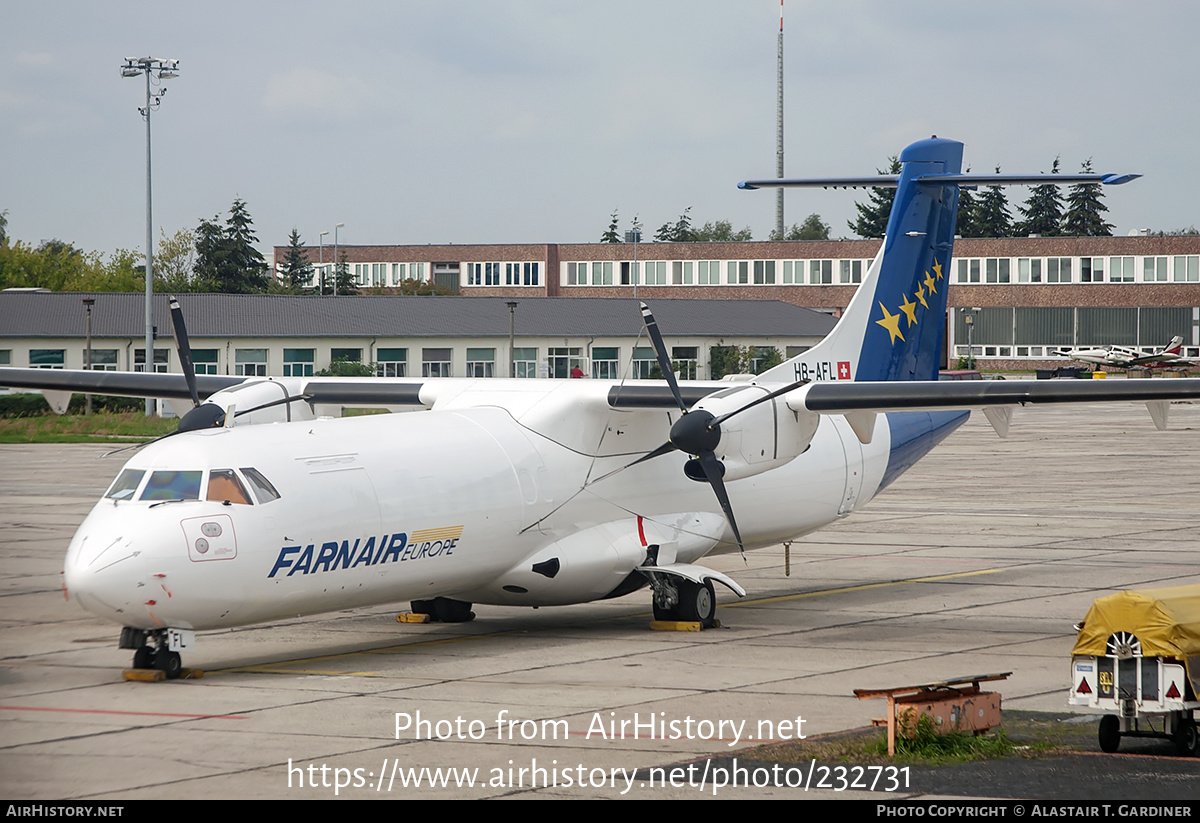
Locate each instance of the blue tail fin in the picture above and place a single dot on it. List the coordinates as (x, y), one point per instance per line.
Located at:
(894, 325)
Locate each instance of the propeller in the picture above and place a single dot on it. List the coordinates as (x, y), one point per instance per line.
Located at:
(698, 432)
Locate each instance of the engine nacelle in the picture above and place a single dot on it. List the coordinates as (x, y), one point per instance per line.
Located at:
(269, 396)
(759, 439)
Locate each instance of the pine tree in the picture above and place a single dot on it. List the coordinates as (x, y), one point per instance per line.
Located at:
(964, 222)
(678, 232)
(613, 235)
(346, 283)
(992, 218)
(296, 270)
(1085, 209)
(873, 216)
(1043, 210)
(226, 257)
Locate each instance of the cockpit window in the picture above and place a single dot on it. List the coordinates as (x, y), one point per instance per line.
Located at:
(262, 486)
(224, 487)
(173, 486)
(125, 485)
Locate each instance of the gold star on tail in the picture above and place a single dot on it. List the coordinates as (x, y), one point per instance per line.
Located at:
(910, 310)
(937, 269)
(891, 322)
(920, 295)
(931, 283)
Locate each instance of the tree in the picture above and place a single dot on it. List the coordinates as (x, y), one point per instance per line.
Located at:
(4, 227)
(1043, 210)
(680, 232)
(992, 218)
(613, 235)
(873, 215)
(723, 360)
(720, 232)
(296, 270)
(964, 221)
(813, 228)
(346, 283)
(226, 256)
(1085, 209)
(175, 263)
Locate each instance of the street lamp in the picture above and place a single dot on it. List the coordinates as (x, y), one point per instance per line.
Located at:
(321, 267)
(153, 68)
(512, 325)
(970, 321)
(88, 302)
(336, 270)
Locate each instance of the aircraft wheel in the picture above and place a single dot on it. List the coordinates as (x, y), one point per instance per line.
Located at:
(143, 658)
(1110, 733)
(1187, 739)
(446, 610)
(697, 602)
(169, 662)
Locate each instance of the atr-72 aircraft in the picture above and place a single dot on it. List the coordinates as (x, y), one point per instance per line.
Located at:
(535, 492)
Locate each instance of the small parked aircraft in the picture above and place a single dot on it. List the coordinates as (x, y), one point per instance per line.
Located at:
(1124, 357)
(535, 492)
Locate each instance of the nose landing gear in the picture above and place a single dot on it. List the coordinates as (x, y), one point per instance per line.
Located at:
(154, 657)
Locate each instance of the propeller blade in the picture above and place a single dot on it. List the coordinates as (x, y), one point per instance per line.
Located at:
(185, 351)
(771, 396)
(660, 351)
(665, 448)
(715, 473)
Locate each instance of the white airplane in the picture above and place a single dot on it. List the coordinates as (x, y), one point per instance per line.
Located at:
(534, 492)
(1124, 357)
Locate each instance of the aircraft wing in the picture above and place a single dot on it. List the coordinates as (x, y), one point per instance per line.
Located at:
(841, 397)
(119, 383)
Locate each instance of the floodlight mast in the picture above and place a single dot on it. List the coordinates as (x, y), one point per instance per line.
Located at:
(160, 70)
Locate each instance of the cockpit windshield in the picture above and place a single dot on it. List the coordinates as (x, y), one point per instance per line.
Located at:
(126, 484)
(169, 485)
(224, 487)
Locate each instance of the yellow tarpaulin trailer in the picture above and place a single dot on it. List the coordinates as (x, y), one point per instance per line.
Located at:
(1137, 656)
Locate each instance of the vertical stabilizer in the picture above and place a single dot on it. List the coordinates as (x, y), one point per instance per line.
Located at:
(894, 325)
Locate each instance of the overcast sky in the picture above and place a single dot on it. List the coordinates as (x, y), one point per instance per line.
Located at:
(491, 121)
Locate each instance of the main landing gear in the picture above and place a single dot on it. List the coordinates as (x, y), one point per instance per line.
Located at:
(444, 610)
(680, 600)
(152, 655)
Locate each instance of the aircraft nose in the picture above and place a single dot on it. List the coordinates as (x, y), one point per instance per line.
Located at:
(103, 573)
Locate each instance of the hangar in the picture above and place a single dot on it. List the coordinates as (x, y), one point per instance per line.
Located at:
(1025, 295)
(409, 336)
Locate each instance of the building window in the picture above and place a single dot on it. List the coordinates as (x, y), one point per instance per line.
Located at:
(850, 271)
(708, 273)
(525, 362)
(645, 364)
(577, 274)
(1058, 269)
(298, 362)
(483, 274)
(250, 362)
(102, 359)
(435, 363)
(1029, 270)
(481, 362)
(1120, 269)
(345, 355)
(605, 363)
(1154, 269)
(737, 272)
(1186, 269)
(162, 359)
(521, 274)
(5, 357)
(1091, 269)
(996, 270)
(602, 274)
(391, 362)
(681, 273)
(820, 272)
(49, 358)
(205, 360)
(684, 361)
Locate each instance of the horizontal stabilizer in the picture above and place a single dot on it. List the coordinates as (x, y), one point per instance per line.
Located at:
(890, 181)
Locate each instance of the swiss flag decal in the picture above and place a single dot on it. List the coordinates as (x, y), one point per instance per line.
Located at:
(843, 370)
